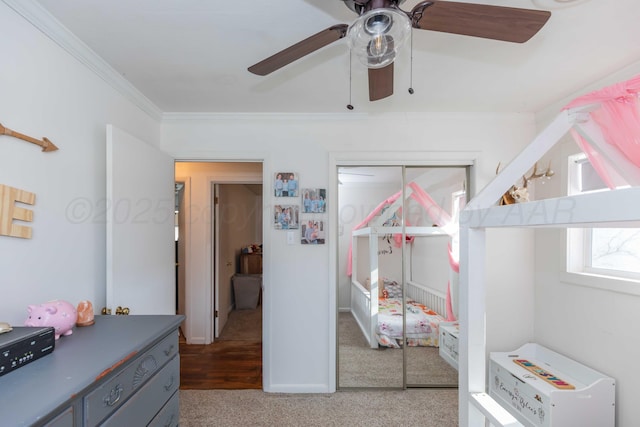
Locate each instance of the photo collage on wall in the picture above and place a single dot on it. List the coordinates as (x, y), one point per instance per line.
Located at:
(301, 209)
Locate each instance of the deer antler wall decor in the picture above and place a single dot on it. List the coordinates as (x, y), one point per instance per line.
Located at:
(44, 142)
(519, 193)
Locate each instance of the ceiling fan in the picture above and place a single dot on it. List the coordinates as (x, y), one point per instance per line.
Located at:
(382, 27)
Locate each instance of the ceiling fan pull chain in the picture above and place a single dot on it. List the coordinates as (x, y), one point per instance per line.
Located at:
(349, 105)
(411, 63)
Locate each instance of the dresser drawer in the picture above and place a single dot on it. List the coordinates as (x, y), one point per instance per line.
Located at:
(64, 419)
(150, 399)
(111, 395)
(169, 415)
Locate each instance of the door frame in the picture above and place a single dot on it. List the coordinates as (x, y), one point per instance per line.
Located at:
(183, 230)
(199, 326)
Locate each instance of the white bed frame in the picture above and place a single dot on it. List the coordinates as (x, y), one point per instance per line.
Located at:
(364, 302)
(588, 210)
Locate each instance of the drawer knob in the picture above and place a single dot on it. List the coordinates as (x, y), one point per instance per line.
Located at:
(114, 396)
(169, 350)
(169, 385)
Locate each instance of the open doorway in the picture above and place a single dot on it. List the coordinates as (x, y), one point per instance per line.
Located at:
(220, 234)
(237, 251)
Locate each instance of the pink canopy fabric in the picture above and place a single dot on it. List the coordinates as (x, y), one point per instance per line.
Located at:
(619, 120)
(438, 215)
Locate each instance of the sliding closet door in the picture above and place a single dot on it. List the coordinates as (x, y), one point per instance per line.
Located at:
(370, 323)
(430, 229)
(396, 225)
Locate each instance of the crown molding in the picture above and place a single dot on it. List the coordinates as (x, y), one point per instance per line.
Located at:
(174, 117)
(211, 117)
(35, 14)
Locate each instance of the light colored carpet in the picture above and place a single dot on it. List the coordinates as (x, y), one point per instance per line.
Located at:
(243, 325)
(415, 407)
(361, 366)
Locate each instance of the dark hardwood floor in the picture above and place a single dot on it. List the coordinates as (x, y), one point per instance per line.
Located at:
(225, 364)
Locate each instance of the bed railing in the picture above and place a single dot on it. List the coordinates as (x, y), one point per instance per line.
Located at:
(367, 318)
(435, 300)
(361, 310)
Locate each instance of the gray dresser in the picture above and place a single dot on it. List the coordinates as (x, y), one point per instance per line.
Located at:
(122, 371)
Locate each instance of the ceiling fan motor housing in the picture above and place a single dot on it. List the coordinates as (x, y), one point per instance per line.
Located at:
(362, 6)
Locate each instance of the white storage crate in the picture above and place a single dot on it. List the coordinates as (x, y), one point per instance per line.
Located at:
(543, 388)
(448, 344)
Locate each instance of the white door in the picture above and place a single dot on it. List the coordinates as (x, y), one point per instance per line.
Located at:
(140, 226)
(224, 256)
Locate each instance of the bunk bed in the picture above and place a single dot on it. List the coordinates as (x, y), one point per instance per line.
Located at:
(617, 207)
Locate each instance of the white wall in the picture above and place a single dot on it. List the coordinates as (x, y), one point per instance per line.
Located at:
(300, 293)
(44, 92)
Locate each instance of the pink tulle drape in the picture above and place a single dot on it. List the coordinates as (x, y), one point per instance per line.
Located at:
(619, 120)
(438, 215)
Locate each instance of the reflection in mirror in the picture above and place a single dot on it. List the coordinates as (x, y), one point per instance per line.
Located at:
(431, 272)
(394, 274)
(361, 361)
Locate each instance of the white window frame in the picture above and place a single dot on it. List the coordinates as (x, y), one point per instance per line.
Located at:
(578, 269)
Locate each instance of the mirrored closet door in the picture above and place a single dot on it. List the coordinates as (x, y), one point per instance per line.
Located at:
(396, 227)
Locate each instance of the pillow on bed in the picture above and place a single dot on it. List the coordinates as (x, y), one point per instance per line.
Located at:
(382, 285)
(394, 290)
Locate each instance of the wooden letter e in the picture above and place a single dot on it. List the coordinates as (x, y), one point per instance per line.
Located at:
(9, 212)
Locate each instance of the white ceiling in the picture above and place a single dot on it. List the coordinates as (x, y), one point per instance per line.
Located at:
(192, 55)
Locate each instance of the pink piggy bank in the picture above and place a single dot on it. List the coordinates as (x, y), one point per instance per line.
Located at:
(58, 314)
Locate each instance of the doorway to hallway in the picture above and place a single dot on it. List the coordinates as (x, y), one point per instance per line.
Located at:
(219, 218)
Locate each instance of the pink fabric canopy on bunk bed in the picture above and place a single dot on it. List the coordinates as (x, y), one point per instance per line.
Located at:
(619, 120)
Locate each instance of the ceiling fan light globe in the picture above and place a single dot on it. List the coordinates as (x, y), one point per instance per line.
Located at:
(376, 36)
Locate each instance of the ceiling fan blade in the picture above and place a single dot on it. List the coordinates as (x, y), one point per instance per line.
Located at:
(479, 20)
(300, 49)
(380, 82)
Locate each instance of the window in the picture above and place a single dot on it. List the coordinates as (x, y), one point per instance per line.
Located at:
(611, 252)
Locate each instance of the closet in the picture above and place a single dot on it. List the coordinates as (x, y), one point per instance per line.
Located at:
(397, 247)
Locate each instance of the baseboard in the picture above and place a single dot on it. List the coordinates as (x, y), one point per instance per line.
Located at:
(298, 388)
